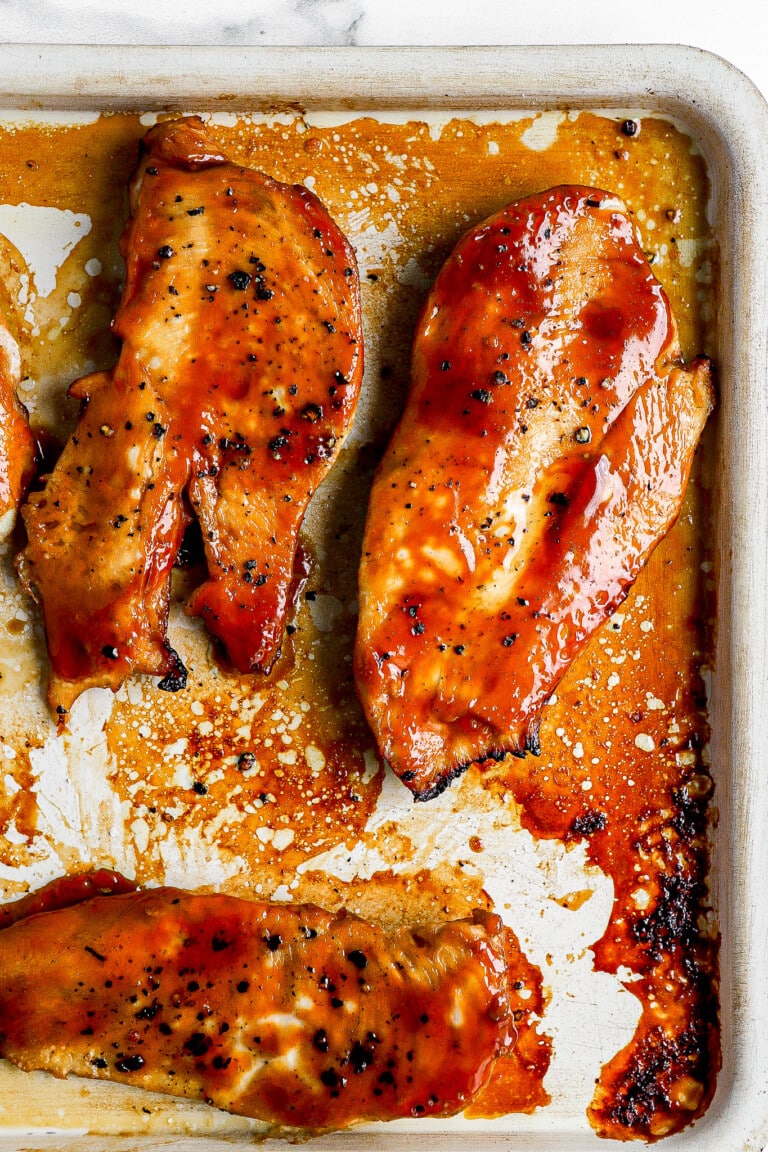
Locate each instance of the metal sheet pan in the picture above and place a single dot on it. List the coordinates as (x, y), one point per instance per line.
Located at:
(727, 118)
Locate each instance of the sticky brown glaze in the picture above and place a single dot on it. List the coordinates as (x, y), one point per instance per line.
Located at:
(17, 445)
(63, 893)
(289, 1014)
(237, 380)
(543, 453)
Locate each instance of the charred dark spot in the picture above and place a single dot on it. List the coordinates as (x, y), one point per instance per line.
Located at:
(589, 822)
(197, 1044)
(559, 498)
(360, 1057)
(176, 678)
(129, 1063)
(239, 279)
(149, 1011)
(672, 923)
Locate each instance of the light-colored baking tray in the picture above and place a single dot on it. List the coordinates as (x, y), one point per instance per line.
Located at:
(727, 119)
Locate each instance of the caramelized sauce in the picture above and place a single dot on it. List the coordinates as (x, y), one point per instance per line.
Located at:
(238, 780)
(516, 1083)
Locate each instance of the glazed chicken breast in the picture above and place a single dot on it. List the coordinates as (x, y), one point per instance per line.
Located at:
(17, 444)
(288, 1014)
(543, 453)
(239, 372)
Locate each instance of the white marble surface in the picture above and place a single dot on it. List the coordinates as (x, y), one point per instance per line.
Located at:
(733, 32)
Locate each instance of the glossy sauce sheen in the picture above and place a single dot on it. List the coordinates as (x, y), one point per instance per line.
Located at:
(202, 779)
(17, 445)
(285, 1013)
(238, 376)
(543, 453)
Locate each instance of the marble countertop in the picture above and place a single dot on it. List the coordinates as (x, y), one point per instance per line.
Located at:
(701, 23)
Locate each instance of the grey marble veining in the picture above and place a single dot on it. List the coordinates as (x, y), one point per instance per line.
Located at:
(290, 22)
(367, 22)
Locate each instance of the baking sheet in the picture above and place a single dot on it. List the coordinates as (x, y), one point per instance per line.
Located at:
(729, 159)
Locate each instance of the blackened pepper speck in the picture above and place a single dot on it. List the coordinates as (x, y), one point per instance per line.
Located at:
(129, 1063)
(197, 1044)
(149, 1012)
(165, 252)
(110, 652)
(358, 958)
(320, 1040)
(239, 280)
(360, 1057)
(588, 823)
